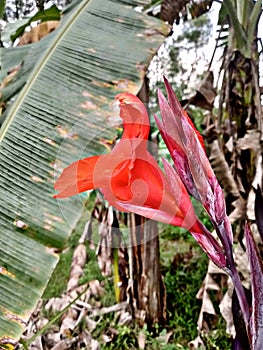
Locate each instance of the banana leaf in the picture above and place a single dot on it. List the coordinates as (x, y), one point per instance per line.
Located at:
(57, 110)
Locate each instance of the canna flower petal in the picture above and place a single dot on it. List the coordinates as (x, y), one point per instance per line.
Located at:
(134, 115)
(155, 198)
(95, 172)
(180, 159)
(176, 108)
(76, 178)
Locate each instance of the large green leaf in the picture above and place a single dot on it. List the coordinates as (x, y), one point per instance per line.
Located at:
(66, 84)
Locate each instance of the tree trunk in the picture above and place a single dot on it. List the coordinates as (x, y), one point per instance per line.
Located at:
(146, 287)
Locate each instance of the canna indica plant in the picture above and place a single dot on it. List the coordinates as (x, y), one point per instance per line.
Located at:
(132, 181)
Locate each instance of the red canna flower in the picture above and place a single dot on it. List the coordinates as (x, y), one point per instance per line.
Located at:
(129, 176)
(131, 180)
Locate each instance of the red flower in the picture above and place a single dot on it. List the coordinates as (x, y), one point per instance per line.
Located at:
(131, 180)
(129, 176)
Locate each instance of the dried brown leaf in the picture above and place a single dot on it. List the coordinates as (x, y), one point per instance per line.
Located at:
(205, 94)
(239, 210)
(230, 144)
(77, 266)
(242, 264)
(64, 344)
(125, 318)
(11, 75)
(95, 288)
(249, 141)
(213, 281)
(38, 32)
(226, 310)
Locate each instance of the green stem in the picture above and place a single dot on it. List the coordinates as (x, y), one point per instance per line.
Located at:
(116, 276)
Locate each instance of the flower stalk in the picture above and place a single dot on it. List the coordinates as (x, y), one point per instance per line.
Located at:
(222, 232)
(186, 147)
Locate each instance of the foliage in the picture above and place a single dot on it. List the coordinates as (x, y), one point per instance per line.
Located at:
(217, 339)
(244, 34)
(58, 282)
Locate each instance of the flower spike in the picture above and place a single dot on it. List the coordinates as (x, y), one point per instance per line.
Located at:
(186, 147)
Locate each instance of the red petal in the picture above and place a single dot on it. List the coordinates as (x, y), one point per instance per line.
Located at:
(134, 115)
(77, 177)
(137, 180)
(178, 190)
(149, 194)
(138, 185)
(179, 111)
(171, 123)
(97, 171)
